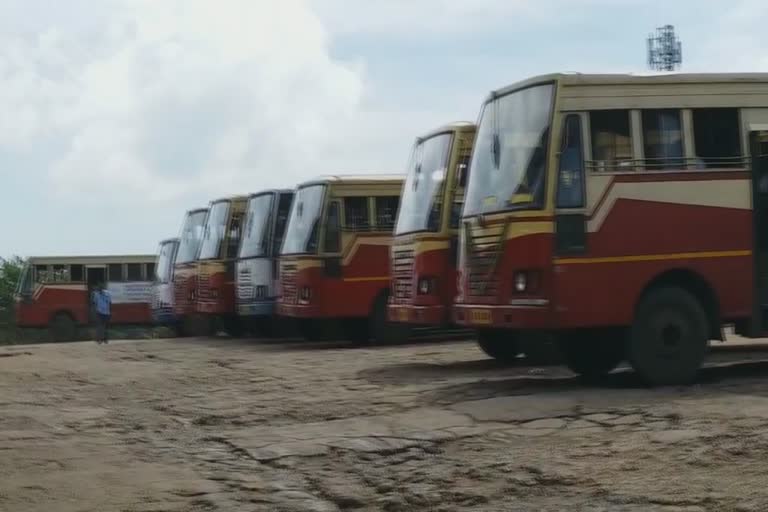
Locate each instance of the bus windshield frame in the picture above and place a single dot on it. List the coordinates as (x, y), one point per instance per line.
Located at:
(303, 231)
(215, 230)
(423, 198)
(509, 161)
(191, 236)
(164, 263)
(257, 236)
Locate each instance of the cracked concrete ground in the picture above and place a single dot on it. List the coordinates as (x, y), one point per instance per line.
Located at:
(222, 425)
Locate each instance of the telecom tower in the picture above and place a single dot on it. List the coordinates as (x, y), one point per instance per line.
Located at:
(665, 52)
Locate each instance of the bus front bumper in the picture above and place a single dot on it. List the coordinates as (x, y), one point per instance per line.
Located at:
(419, 315)
(531, 315)
(266, 308)
(299, 310)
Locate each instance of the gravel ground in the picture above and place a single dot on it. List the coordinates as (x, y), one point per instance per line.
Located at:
(223, 425)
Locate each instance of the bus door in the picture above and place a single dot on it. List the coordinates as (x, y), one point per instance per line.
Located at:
(758, 141)
(94, 275)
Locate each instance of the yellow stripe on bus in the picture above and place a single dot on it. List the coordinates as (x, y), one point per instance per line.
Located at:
(361, 279)
(654, 257)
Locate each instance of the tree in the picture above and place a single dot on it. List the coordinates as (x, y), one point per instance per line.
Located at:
(10, 271)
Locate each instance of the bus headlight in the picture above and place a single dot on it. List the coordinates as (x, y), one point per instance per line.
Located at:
(306, 294)
(521, 282)
(426, 285)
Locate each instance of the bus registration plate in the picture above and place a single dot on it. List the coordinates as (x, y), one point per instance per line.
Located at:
(402, 314)
(480, 316)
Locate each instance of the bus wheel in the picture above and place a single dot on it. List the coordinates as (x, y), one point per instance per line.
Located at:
(63, 327)
(357, 331)
(669, 337)
(593, 354)
(500, 345)
(382, 331)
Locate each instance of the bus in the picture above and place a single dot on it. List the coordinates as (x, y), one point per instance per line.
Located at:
(55, 292)
(423, 256)
(185, 268)
(162, 286)
(215, 301)
(256, 273)
(620, 214)
(334, 262)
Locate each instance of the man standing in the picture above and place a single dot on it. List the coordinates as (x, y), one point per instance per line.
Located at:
(102, 304)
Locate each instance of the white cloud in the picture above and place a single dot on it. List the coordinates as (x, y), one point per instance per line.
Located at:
(178, 97)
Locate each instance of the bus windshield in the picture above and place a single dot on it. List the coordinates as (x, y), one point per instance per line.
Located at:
(303, 224)
(24, 286)
(164, 263)
(191, 236)
(422, 201)
(215, 229)
(257, 221)
(508, 165)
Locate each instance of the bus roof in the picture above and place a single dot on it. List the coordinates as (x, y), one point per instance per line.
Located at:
(169, 241)
(271, 191)
(91, 260)
(356, 179)
(456, 126)
(230, 198)
(197, 210)
(630, 79)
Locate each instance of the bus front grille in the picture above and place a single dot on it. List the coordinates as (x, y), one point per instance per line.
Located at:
(402, 274)
(483, 251)
(288, 283)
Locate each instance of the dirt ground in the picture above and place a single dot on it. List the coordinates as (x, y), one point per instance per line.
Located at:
(223, 425)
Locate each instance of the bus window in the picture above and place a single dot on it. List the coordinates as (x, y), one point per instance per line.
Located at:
(356, 215)
(60, 273)
(570, 182)
(662, 139)
(134, 272)
(149, 274)
(283, 211)
(115, 272)
(233, 240)
(43, 276)
(76, 273)
(717, 137)
(611, 142)
(333, 229)
(386, 212)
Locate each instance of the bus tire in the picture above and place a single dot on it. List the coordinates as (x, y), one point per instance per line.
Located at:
(63, 327)
(499, 345)
(382, 331)
(669, 337)
(591, 354)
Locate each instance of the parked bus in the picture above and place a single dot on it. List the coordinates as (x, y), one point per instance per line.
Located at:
(424, 249)
(55, 292)
(616, 213)
(162, 287)
(334, 262)
(185, 268)
(216, 265)
(256, 280)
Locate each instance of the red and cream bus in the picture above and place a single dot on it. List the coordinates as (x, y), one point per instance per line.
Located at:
(424, 249)
(162, 287)
(185, 267)
(334, 263)
(55, 292)
(215, 300)
(620, 214)
(265, 220)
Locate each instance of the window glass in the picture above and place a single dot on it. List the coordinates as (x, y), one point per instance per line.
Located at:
(356, 214)
(76, 273)
(61, 273)
(149, 275)
(233, 236)
(570, 183)
(115, 272)
(662, 139)
(611, 141)
(134, 272)
(333, 229)
(43, 274)
(717, 137)
(386, 212)
(283, 211)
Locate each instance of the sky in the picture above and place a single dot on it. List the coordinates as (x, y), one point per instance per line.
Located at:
(116, 116)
